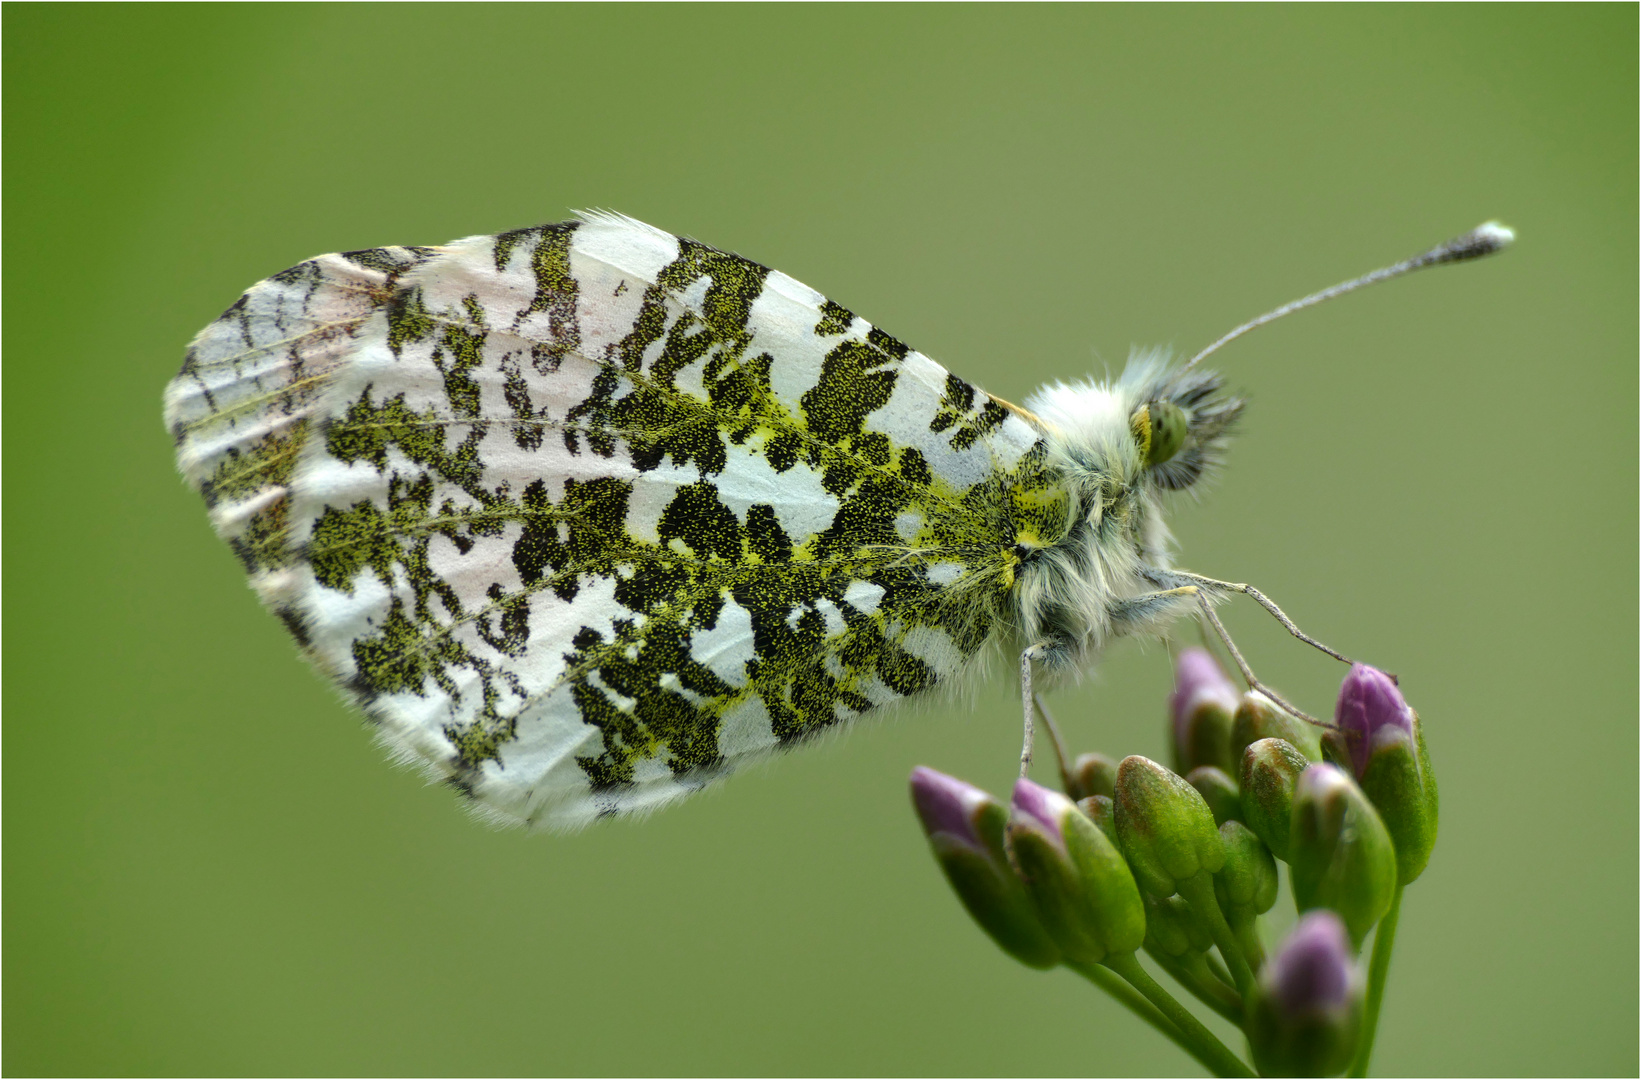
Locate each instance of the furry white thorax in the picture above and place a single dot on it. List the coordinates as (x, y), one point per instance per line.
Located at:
(1076, 595)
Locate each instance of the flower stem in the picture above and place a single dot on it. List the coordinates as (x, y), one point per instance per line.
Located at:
(1132, 998)
(1384, 939)
(1202, 1044)
(1216, 967)
(1191, 971)
(1245, 925)
(1199, 893)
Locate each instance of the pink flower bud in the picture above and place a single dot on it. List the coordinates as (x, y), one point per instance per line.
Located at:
(1371, 710)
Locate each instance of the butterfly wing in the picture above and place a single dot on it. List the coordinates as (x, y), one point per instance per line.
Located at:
(587, 514)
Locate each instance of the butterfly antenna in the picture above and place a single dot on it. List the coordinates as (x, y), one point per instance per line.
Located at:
(1482, 240)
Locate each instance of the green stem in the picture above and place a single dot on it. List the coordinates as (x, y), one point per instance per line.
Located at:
(1191, 971)
(1199, 893)
(1130, 997)
(1216, 967)
(1245, 925)
(1204, 1046)
(1384, 940)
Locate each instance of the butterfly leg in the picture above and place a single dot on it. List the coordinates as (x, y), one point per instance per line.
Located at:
(1061, 755)
(1151, 611)
(1131, 614)
(1207, 587)
(1265, 602)
(1027, 700)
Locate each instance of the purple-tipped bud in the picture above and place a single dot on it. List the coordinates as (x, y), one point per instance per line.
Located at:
(1315, 967)
(1340, 856)
(1371, 710)
(1305, 1016)
(948, 806)
(1379, 734)
(965, 829)
(1042, 810)
(1202, 706)
(1083, 892)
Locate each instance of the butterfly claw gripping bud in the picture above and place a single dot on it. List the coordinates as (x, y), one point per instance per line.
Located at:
(1202, 707)
(1258, 717)
(1381, 737)
(1082, 889)
(1305, 1015)
(1270, 770)
(1339, 853)
(965, 828)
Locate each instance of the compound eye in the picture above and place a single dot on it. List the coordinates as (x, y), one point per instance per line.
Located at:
(1159, 428)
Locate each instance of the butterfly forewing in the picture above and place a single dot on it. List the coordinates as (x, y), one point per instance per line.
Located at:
(586, 515)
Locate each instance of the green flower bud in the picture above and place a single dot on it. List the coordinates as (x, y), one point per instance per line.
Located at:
(965, 829)
(1179, 943)
(1218, 791)
(1102, 812)
(1304, 1017)
(1082, 889)
(1247, 882)
(1172, 929)
(1258, 717)
(1201, 707)
(1402, 786)
(1270, 770)
(1094, 774)
(1246, 887)
(1164, 827)
(1382, 739)
(1339, 852)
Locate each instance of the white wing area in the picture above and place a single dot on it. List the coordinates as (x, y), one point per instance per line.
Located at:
(585, 515)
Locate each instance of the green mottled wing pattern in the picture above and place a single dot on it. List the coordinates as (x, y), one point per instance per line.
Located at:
(586, 515)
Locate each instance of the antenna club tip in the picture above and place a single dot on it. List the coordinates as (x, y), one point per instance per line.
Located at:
(1484, 239)
(1496, 233)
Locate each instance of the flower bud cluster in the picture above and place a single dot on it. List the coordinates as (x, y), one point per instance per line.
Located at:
(1183, 862)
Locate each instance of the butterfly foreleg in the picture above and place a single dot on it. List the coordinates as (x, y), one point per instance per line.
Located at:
(1029, 703)
(1135, 614)
(1207, 588)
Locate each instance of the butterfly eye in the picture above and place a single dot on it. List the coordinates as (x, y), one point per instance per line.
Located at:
(1159, 428)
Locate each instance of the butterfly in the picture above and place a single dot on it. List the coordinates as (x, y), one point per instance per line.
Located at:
(584, 516)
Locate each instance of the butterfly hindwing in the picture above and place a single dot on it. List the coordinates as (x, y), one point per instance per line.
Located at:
(585, 515)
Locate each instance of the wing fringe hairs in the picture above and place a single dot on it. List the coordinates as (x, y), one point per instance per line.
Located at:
(584, 516)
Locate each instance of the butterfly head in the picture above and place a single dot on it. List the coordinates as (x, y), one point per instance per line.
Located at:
(1157, 427)
(1180, 420)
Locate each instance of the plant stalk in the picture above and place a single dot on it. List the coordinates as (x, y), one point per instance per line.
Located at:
(1199, 893)
(1204, 1046)
(1191, 971)
(1384, 940)
(1132, 998)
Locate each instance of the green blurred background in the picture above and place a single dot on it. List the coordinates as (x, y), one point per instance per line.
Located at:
(209, 868)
